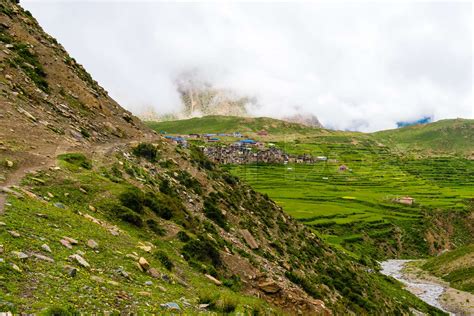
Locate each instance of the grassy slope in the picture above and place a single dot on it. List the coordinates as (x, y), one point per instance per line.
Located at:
(103, 288)
(445, 136)
(229, 124)
(456, 267)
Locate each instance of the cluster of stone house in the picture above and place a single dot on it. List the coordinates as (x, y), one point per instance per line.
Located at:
(239, 153)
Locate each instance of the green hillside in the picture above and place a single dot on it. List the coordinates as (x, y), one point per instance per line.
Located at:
(456, 267)
(445, 136)
(230, 124)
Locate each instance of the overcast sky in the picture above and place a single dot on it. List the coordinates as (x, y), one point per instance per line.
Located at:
(360, 66)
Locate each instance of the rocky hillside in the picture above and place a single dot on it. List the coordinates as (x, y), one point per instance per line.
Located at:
(93, 219)
(48, 100)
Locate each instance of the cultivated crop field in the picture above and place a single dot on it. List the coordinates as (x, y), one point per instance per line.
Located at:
(354, 209)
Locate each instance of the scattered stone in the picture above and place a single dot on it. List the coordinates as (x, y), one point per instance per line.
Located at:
(145, 293)
(82, 190)
(14, 233)
(60, 205)
(50, 194)
(171, 306)
(162, 288)
(129, 255)
(8, 77)
(154, 273)
(148, 283)
(166, 278)
(92, 244)
(269, 287)
(249, 239)
(213, 279)
(16, 268)
(70, 270)
(65, 243)
(93, 209)
(43, 257)
(41, 215)
(97, 279)
(72, 241)
(46, 248)
(80, 260)
(203, 306)
(20, 255)
(80, 253)
(3, 224)
(9, 163)
(143, 263)
(114, 283)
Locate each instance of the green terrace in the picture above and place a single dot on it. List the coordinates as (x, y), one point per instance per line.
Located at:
(356, 207)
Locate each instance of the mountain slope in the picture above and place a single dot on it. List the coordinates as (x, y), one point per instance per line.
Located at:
(441, 137)
(103, 222)
(231, 124)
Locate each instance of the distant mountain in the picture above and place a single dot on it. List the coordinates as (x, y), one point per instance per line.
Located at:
(424, 120)
(304, 119)
(455, 136)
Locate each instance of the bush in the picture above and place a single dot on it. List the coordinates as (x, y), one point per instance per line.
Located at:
(134, 199)
(127, 215)
(164, 259)
(165, 207)
(198, 157)
(182, 236)
(147, 151)
(61, 311)
(189, 182)
(214, 213)
(155, 227)
(203, 250)
(305, 283)
(76, 159)
(219, 302)
(230, 179)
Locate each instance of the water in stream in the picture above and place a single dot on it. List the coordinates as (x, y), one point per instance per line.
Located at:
(425, 290)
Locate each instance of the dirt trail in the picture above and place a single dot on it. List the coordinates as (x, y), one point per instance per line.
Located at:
(47, 159)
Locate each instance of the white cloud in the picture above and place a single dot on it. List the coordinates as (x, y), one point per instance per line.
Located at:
(356, 65)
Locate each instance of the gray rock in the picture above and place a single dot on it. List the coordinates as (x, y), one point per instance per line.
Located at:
(20, 255)
(80, 260)
(59, 205)
(70, 270)
(43, 257)
(14, 233)
(92, 244)
(46, 248)
(148, 283)
(171, 306)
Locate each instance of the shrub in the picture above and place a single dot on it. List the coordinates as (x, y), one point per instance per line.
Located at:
(133, 199)
(165, 207)
(182, 236)
(203, 250)
(155, 227)
(25, 59)
(230, 179)
(127, 215)
(198, 157)
(189, 182)
(147, 151)
(164, 259)
(76, 159)
(214, 213)
(305, 283)
(61, 311)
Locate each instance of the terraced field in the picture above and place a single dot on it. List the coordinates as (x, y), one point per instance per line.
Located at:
(354, 209)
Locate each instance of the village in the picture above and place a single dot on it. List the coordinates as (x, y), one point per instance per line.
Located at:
(240, 149)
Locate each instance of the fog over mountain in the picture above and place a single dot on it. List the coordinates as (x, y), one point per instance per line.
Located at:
(360, 66)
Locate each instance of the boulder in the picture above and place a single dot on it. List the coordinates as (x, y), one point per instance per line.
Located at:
(14, 233)
(249, 239)
(65, 243)
(92, 244)
(80, 260)
(269, 287)
(71, 271)
(43, 257)
(46, 248)
(143, 263)
(154, 273)
(72, 241)
(20, 255)
(213, 279)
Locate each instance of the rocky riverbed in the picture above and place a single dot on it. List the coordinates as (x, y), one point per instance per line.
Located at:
(428, 288)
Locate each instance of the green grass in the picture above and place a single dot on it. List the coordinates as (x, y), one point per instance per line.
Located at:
(360, 202)
(445, 136)
(456, 267)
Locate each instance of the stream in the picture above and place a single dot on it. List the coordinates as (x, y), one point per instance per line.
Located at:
(427, 291)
